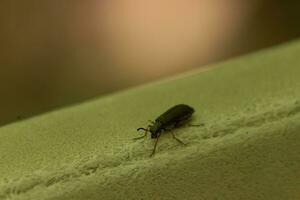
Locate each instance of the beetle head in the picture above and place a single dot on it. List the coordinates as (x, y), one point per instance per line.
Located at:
(154, 129)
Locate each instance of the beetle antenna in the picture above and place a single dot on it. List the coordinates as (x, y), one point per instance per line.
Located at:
(142, 129)
(146, 132)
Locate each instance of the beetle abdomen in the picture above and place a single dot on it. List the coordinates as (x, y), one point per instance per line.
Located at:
(175, 114)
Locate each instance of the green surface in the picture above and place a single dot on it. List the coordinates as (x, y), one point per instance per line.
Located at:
(248, 148)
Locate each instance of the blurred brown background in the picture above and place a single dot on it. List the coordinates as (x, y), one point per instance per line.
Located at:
(54, 53)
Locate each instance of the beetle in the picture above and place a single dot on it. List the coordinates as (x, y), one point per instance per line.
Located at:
(172, 118)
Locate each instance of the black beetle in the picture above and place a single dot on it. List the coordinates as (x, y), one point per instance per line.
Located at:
(170, 119)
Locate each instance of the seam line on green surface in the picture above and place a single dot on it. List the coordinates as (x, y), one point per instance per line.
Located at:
(90, 166)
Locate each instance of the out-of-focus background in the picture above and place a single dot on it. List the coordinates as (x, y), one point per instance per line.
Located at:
(54, 53)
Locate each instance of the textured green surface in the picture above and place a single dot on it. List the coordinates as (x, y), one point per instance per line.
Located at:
(248, 148)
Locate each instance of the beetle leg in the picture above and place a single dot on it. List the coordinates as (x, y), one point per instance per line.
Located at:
(177, 139)
(153, 152)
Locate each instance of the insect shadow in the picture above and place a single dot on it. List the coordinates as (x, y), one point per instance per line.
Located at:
(174, 117)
